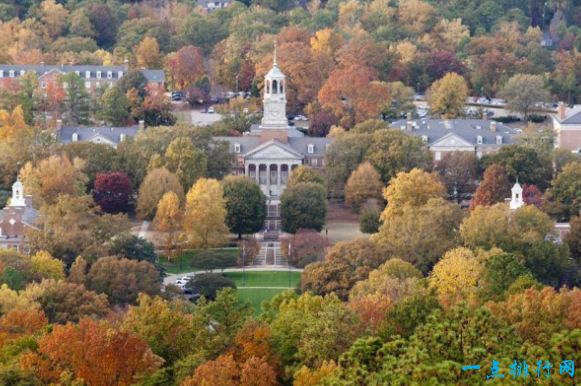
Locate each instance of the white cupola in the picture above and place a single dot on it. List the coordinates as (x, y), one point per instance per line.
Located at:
(274, 101)
(516, 200)
(17, 194)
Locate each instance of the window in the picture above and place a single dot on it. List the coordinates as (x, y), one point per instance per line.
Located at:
(1, 73)
(315, 162)
(236, 148)
(274, 86)
(499, 139)
(479, 140)
(11, 73)
(97, 84)
(21, 72)
(98, 74)
(88, 74)
(120, 74)
(438, 156)
(78, 73)
(87, 85)
(109, 74)
(424, 138)
(311, 148)
(65, 85)
(43, 84)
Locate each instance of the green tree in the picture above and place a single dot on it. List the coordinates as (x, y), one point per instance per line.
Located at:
(363, 185)
(564, 195)
(245, 205)
(209, 284)
(303, 206)
(114, 106)
(186, 161)
(447, 96)
(77, 103)
(500, 272)
(523, 92)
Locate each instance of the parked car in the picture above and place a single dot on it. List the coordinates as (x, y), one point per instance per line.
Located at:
(182, 281)
(177, 96)
(300, 118)
(211, 110)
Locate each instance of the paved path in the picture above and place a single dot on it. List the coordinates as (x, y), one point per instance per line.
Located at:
(143, 230)
(282, 288)
(171, 279)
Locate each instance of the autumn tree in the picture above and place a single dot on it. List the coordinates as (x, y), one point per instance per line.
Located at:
(52, 177)
(573, 238)
(168, 220)
(245, 205)
(77, 103)
(304, 173)
(303, 206)
(364, 184)
(44, 266)
(122, 279)
(414, 188)
(458, 171)
(564, 195)
(184, 67)
(154, 186)
(304, 247)
(12, 123)
(113, 192)
(205, 215)
(186, 161)
(523, 92)
(147, 53)
(114, 106)
(93, 352)
(447, 96)
(16, 324)
(500, 272)
(494, 187)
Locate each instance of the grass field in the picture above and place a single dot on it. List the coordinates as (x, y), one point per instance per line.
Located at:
(256, 296)
(185, 265)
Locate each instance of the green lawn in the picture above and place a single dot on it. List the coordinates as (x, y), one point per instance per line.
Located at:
(265, 279)
(257, 296)
(185, 263)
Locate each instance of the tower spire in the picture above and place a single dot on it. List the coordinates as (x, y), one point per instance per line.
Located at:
(274, 60)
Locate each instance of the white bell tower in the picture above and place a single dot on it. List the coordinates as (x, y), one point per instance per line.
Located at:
(274, 102)
(17, 194)
(516, 200)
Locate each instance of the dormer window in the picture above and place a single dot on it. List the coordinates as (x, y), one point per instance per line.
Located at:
(75, 137)
(21, 72)
(236, 148)
(98, 74)
(424, 138)
(1, 73)
(311, 148)
(479, 140)
(109, 74)
(122, 138)
(88, 74)
(120, 74)
(499, 139)
(11, 73)
(78, 73)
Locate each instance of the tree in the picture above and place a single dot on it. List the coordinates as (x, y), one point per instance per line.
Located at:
(208, 284)
(168, 220)
(113, 192)
(401, 100)
(456, 276)
(92, 352)
(447, 96)
(500, 272)
(114, 106)
(77, 103)
(147, 53)
(44, 266)
(64, 302)
(392, 151)
(97, 157)
(184, 67)
(205, 215)
(221, 371)
(303, 206)
(414, 188)
(573, 239)
(212, 259)
(523, 92)
(245, 205)
(420, 235)
(157, 183)
(186, 161)
(304, 247)
(122, 279)
(304, 174)
(52, 177)
(364, 184)
(441, 63)
(54, 16)
(564, 195)
(16, 324)
(494, 187)
(458, 171)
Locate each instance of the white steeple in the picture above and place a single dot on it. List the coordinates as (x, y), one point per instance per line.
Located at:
(17, 194)
(516, 200)
(274, 101)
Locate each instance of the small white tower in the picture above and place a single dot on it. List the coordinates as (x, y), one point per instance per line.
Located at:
(516, 200)
(274, 101)
(17, 194)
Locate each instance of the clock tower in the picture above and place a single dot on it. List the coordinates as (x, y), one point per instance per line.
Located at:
(274, 123)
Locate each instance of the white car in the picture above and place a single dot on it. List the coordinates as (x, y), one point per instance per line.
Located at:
(211, 110)
(300, 118)
(182, 281)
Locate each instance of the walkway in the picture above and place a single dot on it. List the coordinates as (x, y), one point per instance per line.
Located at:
(270, 255)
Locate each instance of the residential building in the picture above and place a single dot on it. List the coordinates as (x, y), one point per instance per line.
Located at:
(16, 218)
(567, 126)
(479, 136)
(111, 136)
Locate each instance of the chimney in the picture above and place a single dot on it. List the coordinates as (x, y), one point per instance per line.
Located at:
(561, 111)
(141, 125)
(493, 126)
(409, 122)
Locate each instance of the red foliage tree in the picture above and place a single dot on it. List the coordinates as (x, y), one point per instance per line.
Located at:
(321, 122)
(113, 192)
(442, 62)
(18, 323)
(532, 195)
(306, 246)
(493, 188)
(185, 67)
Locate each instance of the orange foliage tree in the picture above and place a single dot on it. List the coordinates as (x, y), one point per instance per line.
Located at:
(18, 323)
(92, 351)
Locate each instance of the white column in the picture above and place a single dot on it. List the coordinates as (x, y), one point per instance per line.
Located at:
(268, 178)
(247, 169)
(278, 172)
(257, 173)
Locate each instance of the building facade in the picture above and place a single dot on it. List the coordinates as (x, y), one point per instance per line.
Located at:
(106, 135)
(272, 149)
(567, 126)
(478, 136)
(16, 218)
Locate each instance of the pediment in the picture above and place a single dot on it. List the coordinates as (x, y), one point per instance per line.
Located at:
(274, 150)
(98, 138)
(452, 140)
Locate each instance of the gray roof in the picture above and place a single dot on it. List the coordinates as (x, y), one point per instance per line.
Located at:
(572, 115)
(467, 129)
(25, 214)
(41, 69)
(250, 142)
(255, 129)
(112, 134)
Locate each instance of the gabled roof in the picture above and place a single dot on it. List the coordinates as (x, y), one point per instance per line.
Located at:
(451, 140)
(111, 134)
(273, 143)
(572, 116)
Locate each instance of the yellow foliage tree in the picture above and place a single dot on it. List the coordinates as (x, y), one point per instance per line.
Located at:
(414, 188)
(447, 96)
(326, 42)
(456, 276)
(204, 220)
(363, 184)
(168, 220)
(307, 377)
(47, 267)
(147, 53)
(12, 123)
